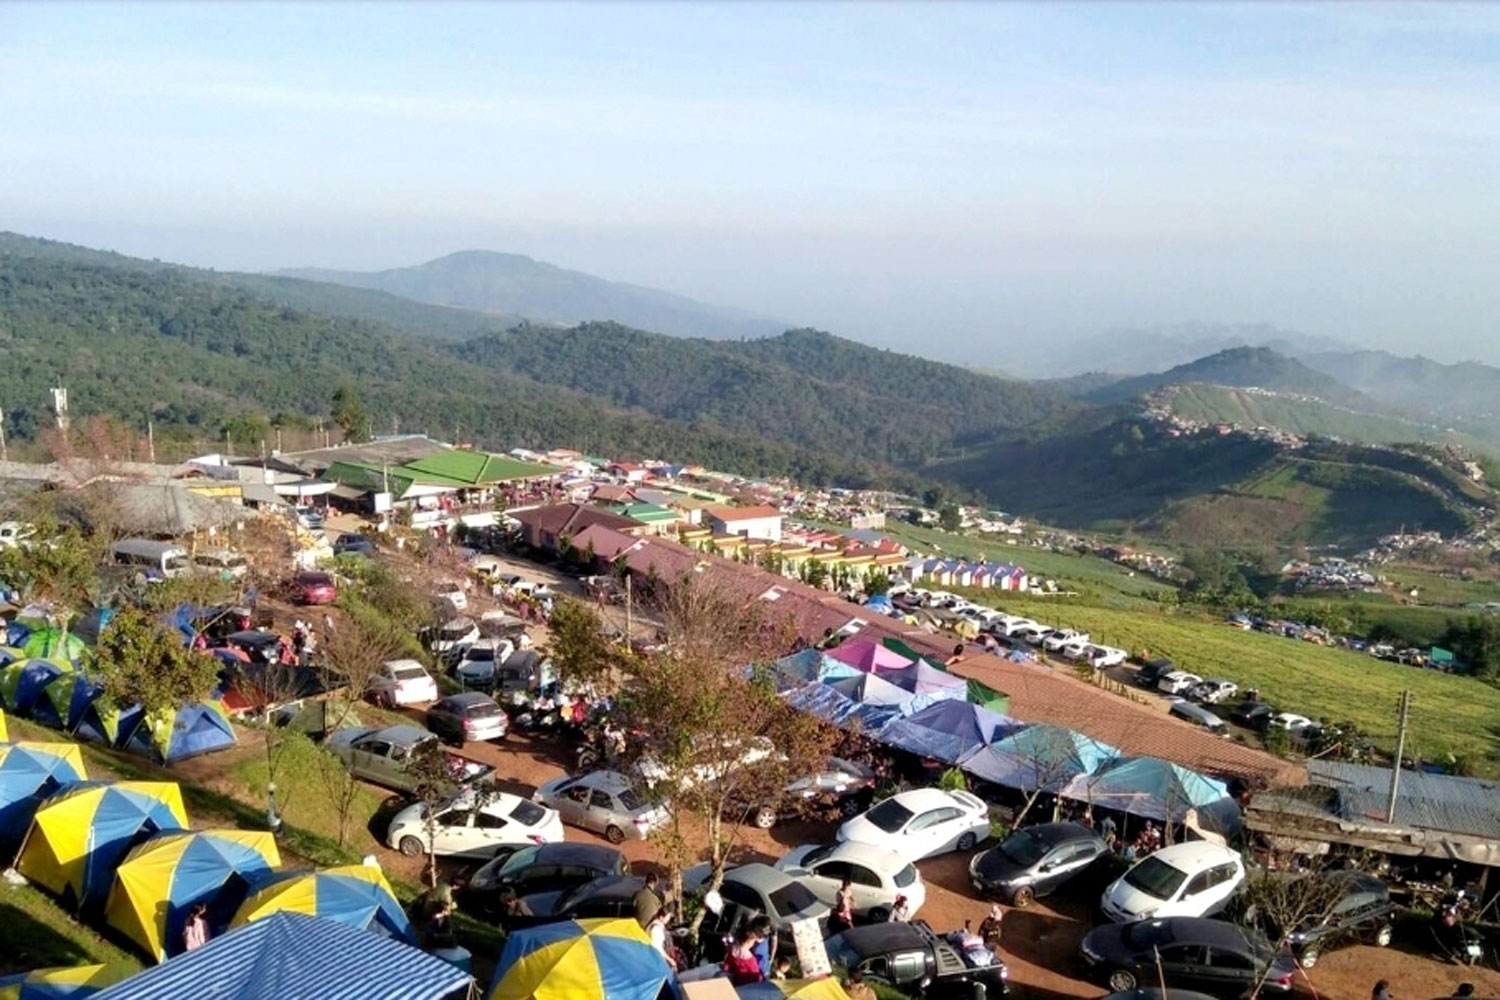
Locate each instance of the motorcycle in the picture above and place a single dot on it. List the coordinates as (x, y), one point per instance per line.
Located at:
(1459, 939)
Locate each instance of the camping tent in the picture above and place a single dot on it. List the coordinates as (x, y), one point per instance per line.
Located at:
(293, 955)
(862, 654)
(946, 730)
(160, 880)
(100, 720)
(4, 729)
(72, 982)
(29, 773)
(924, 679)
(79, 834)
(65, 699)
(605, 959)
(1145, 786)
(55, 644)
(10, 654)
(357, 895)
(1040, 757)
(202, 727)
(21, 682)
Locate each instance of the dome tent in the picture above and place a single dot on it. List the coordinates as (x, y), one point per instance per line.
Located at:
(356, 895)
(199, 728)
(30, 773)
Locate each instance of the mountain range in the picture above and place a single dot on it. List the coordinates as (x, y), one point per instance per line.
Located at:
(201, 352)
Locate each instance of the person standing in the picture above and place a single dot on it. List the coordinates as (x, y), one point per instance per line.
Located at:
(195, 930)
(656, 929)
(900, 911)
(765, 944)
(842, 917)
(646, 902)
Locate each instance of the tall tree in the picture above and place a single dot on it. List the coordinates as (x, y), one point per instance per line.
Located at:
(143, 662)
(349, 413)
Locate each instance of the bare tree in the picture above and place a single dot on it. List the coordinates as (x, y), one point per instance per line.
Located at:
(354, 654)
(1291, 892)
(341, 787)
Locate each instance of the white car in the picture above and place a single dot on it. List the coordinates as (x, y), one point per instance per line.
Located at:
(403, 682)
(472, 830)
(14, 533)
(1102, 657)
(1215, 690)
(715, 766)
(922, 822)
(1194, 879)
(455, 596)
(449, 640)
(876, 876)
(1178, 682)
(478, 664)
(1035, 634)
(1291, 722)
(1015, 626)
(1057, 640)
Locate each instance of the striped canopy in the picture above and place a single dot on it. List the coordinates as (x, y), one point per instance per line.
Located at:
(605, 959)
(357, 895)
(160, 880)
(74, 982)
(291, 955)
(79, 835)
(29, 773)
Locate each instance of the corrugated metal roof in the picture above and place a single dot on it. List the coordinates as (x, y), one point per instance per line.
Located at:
(1424, 801)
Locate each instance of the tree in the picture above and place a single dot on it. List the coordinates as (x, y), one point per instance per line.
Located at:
(354, 653)
(349, 413)
(432, 775)
(1288, 893)
(950, 518)
(143, 662)
(877, 582)
(722, 742)
(63, 573)
(339, 785)
(934, 497)
(581, 652)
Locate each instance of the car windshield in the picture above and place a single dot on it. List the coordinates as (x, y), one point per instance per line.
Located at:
(1156, 878)
(630, 800)
(409, 673)
(906, 877)
(889, 816)
(1024, 848)
(483, 710)
(316, 579)
(528, 813)
(794, 897)
(1143, 935)
(517, 861)
(479, 653)
(818, 854)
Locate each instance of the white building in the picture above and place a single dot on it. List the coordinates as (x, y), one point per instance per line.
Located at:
(752, 522)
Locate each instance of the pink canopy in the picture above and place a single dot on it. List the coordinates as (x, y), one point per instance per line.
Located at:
(862, 654)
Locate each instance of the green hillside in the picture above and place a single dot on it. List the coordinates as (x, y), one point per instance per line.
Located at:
(1242, 367)
(1217, 404)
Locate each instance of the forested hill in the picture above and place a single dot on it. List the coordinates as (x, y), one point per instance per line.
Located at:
(1242, 367)
(804, 387)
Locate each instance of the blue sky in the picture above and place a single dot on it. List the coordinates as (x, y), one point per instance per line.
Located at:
(961, 179)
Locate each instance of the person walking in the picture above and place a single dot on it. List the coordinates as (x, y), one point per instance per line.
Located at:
(656, 929)
(647, 901)
(195, 930)
(842, 917)
(900, 911)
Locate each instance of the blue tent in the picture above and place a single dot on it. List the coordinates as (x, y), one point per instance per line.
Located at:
(946, 730)
(293, 955)
(21, 682)
(1041, 756)
(16, 634)
(1145, 786)
(100, 721)
(202, 727)
(29, 773)
(880, 602)
(65, 699)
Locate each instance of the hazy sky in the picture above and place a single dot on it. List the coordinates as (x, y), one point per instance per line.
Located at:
(987, 173)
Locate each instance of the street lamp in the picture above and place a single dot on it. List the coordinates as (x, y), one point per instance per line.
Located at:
(273, 818)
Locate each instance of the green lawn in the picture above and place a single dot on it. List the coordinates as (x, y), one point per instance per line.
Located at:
(40, 935)
(1435, 587)
(1450, 714)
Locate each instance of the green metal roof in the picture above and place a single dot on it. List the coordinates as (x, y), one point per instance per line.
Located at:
(476, 468)
(646, 513)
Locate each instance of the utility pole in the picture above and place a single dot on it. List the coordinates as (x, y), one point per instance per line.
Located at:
(627, 607)
(4, 452)
(150, 441)
(1403, 717)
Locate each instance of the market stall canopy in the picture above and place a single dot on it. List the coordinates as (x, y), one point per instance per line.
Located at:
(1146, 786)
(1041, 756)
(946, 730)
(605, 959)
(862, 654)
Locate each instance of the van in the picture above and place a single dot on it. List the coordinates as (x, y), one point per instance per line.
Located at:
(227, 565)
(153, 560)
(1193, 879)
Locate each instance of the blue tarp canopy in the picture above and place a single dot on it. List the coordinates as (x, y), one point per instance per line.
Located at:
(799, 668)
(293, 955)
(1041, 756)
(946, 730)
(835, 706)
(1145, 786)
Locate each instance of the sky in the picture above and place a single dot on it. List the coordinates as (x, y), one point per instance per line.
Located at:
(968, 181)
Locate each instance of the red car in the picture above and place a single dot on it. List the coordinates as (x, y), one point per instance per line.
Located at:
(315, 588)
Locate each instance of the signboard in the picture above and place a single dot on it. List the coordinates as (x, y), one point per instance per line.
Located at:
(382, 502)
(811, 955)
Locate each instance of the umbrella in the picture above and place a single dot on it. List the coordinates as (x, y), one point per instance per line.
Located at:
(1041, 756)
(604, 959)
(79, 834)
(55, 643)
(1145, 786)
(21, 682)
(826, 988)
(946, 730)
(355, 895)
(29, 772)
(862, 654)
(160, 881)
(66, 983)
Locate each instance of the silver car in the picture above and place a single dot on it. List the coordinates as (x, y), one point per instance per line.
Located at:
(605, 802)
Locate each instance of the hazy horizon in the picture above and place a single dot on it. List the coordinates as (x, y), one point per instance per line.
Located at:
(996, 175)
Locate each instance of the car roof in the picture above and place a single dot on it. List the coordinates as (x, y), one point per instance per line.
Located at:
(868, 855)
(406, 735)
(1195, 853)
(605, 781)
(873, 939)
(592, 855)
(1195, 712)
(469, 698)
(922, 799)
(1053, 834)
(620, 887)
(1201, 931)
(403, 664)
(758, 876)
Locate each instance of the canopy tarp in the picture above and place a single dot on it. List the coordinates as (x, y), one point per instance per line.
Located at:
(72, 982)
(55, 644)
(29, 773)
(922, 678)
(605, 959)
(357, 895)
(865, 688)
(946, 730)
(21, 682)
(862, 654)
(797, 669)
(839, 708)
(984, 696)
(1145, 786)
(290, 955)
(79, 834)
(161, 879)
(194, 729)
(1040, 757)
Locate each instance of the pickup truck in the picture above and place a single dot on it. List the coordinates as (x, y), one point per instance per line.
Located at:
(911, 959)
(381, 756)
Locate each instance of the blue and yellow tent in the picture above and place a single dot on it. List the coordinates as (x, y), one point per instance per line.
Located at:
(357, 895)
(826, 988)
(605, 959)
(10, 654)
(55, 644)
(21, 682)
(202, 727)
(79, 835)
(160, 880)
(100, 720)
(29, 773)
(66, 983)
(4, 729)
(64, 700)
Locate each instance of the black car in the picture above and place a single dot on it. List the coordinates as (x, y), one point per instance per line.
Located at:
(1360, 909)
(913, 959)
(261, 647)
(531, 870)
(351, 544)
(609, 896)
(1218, 958)
(1152, 671)
(841, 789)
(1253, 713)
(1035, 861)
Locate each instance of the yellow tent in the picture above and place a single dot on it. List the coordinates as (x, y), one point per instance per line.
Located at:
(4, 733)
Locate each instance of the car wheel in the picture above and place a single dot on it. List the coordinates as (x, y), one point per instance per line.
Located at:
(614, 834)
(1308, 958)
(411, 847)
(967, 841)
(1023, 897)
(1120, 981)
(765, 817)
(1383, 937)
(849, 808)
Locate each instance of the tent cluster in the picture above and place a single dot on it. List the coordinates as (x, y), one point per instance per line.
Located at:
(44, 676)
(909, 704)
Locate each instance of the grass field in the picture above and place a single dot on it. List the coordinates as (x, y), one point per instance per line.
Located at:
(1450, 714)
(1436, 587)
